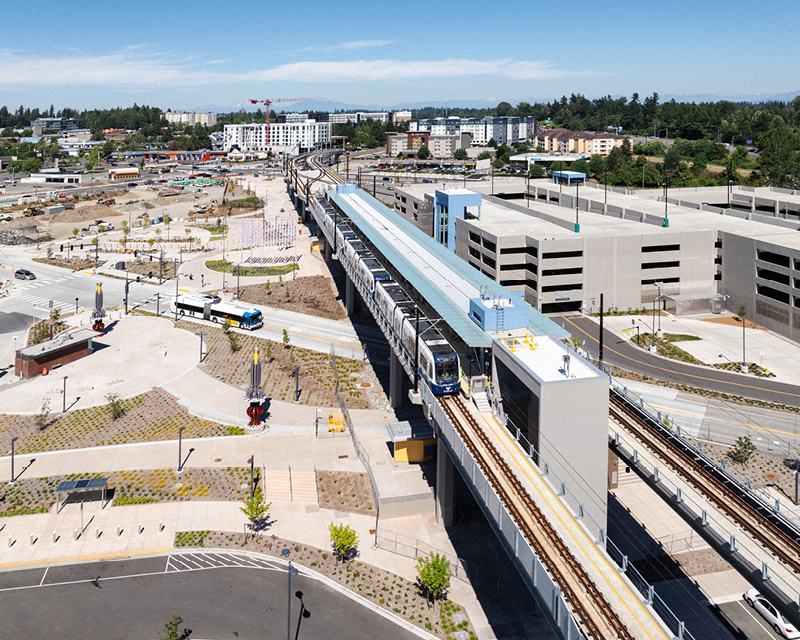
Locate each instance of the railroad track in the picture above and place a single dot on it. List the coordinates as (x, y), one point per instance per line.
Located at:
(781, 543)
(592, 611)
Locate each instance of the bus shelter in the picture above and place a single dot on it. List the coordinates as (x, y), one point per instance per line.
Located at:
(85, 486)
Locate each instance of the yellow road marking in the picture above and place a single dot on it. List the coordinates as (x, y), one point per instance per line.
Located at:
(88, 558)
(783, 433)
(514, 454)
(688, 375)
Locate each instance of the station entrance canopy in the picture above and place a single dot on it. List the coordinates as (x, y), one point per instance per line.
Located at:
(452, 306)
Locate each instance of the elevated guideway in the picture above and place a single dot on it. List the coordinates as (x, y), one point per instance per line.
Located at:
(549, 518)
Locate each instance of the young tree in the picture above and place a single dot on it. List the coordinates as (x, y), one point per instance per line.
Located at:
(75, 231)
(172, 630)
(116, 408)
(255, 508)
(460, 154)
(484, 155)
(743, 450)
(40, 419)
(55, 314)
(433, 576)
(285, 338)
(344, 541)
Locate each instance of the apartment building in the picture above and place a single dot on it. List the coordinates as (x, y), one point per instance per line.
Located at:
(566, 141)
(359, 116)
(503, 130)
(401, 116)
(406, 143)
(54, 124)
(190, 118)
(288, 137)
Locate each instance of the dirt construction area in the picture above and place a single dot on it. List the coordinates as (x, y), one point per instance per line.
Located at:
(312, 295)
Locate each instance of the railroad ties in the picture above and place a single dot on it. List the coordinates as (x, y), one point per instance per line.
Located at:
(591, 610)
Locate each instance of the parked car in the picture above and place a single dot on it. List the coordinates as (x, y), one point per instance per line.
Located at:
(24, 274)
(213, 297)
(5, 217)
(771, 614)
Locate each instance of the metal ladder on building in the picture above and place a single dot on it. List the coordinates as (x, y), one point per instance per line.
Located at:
(501, 318)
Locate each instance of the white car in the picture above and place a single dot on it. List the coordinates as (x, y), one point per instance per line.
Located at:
(771, 614)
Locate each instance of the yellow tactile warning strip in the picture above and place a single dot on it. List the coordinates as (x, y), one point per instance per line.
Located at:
(88, 558)
(523, 462)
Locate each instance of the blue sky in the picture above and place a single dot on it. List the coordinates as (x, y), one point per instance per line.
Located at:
(190, 55)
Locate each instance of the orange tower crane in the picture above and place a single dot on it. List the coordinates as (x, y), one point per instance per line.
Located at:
(269, 101)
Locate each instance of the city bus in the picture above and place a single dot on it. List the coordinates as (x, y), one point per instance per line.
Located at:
(237, 315)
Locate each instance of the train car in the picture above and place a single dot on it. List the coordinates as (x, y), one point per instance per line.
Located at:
(371, 271)
(438, 361)
(344, 233)
(389, 295)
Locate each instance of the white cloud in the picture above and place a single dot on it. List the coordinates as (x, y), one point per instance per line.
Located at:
(353, 45)
(365, 70)
(137, 66)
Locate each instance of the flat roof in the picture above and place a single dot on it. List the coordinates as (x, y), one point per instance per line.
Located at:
(544, 358)
(456, 282)
(61, 341)
(409, 430)
(84, 484)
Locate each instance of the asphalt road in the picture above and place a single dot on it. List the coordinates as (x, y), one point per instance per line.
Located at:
(619, 352)
(217, 595)
(744, 622)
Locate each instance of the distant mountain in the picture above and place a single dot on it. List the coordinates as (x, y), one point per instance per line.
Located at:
(331, 106)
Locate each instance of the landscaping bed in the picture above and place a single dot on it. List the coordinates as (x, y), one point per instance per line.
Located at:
(74, 264)
(40, 332)
(249, 270)
(345, 491)
(385, 589)
(231, 353)
(148, 417)
(38, 495)
(311, 295)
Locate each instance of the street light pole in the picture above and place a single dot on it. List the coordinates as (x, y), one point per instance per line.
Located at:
(180, 456)
(658, 299)
(577, 206)
(64, 405)
(292, 572)
(252, 462)
(13, 440)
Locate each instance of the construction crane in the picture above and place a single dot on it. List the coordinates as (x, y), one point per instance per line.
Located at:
(268, 102)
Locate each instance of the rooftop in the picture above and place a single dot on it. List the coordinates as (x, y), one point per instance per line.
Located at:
(544, 359)
(443, 279)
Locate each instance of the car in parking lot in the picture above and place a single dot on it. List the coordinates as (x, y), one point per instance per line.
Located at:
(24, 274)
(771, 614)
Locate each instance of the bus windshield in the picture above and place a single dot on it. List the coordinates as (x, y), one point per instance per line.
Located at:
(447, 372)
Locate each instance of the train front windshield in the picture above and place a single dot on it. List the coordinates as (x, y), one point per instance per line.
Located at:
(447, 372)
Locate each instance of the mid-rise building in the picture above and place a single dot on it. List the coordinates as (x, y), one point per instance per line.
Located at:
(54, 124)
(401, 116)
(503, 130)
(446, 146)
(359, 116)
(190, 118)
(566, 141)
(405, 143)
(284, 137)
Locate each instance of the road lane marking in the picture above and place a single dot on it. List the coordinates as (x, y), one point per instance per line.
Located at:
(682, 373)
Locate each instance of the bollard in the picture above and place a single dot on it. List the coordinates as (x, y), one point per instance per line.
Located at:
(119, 530)
(76, 534)
(160, 526)
(141, 529)
(96, 533)
(9, 541)
(54, 537)
(31, 539)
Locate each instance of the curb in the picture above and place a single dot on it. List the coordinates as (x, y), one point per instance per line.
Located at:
(114, 555)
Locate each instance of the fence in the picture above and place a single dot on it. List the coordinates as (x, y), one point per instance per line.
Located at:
(748, 554)
(361, 452)
(413, 548)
